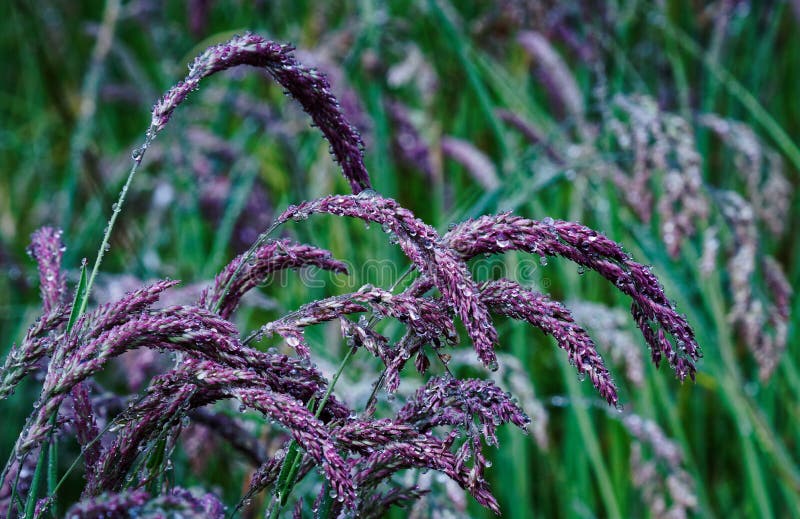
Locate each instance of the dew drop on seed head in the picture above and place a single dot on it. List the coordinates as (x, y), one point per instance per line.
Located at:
(367, 193)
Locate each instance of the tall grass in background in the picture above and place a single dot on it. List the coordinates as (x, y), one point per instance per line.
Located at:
(466, 109)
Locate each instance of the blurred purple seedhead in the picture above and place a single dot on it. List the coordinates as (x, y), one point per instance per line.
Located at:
(761, 168)
(658, 147)
(761, 320)
(554, 73)
(667, 487)
(477, 164)
(408, 143)
(610, 326)
(177, 502)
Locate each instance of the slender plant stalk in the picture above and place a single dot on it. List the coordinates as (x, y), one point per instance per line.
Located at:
(138, 155)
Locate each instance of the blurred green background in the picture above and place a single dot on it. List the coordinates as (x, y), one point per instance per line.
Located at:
(81, 78)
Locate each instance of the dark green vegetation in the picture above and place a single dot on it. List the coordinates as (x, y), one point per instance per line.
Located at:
(187, 212)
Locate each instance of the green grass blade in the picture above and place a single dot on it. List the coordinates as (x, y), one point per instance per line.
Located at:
(52, 476)
(30, 502)
(80, 294)
(460, 46)
(284, 484)
(735, 89)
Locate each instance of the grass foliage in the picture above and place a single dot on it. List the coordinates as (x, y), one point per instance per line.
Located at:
(81, 78)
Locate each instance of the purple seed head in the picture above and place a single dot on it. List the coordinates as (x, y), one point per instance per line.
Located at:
(510, 299)
(652, 311)
(309, 87)
(421, 243)
(47, 249)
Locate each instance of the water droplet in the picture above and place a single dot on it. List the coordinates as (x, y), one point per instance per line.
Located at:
(137, 154)
(299, 216)
(367, 193)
